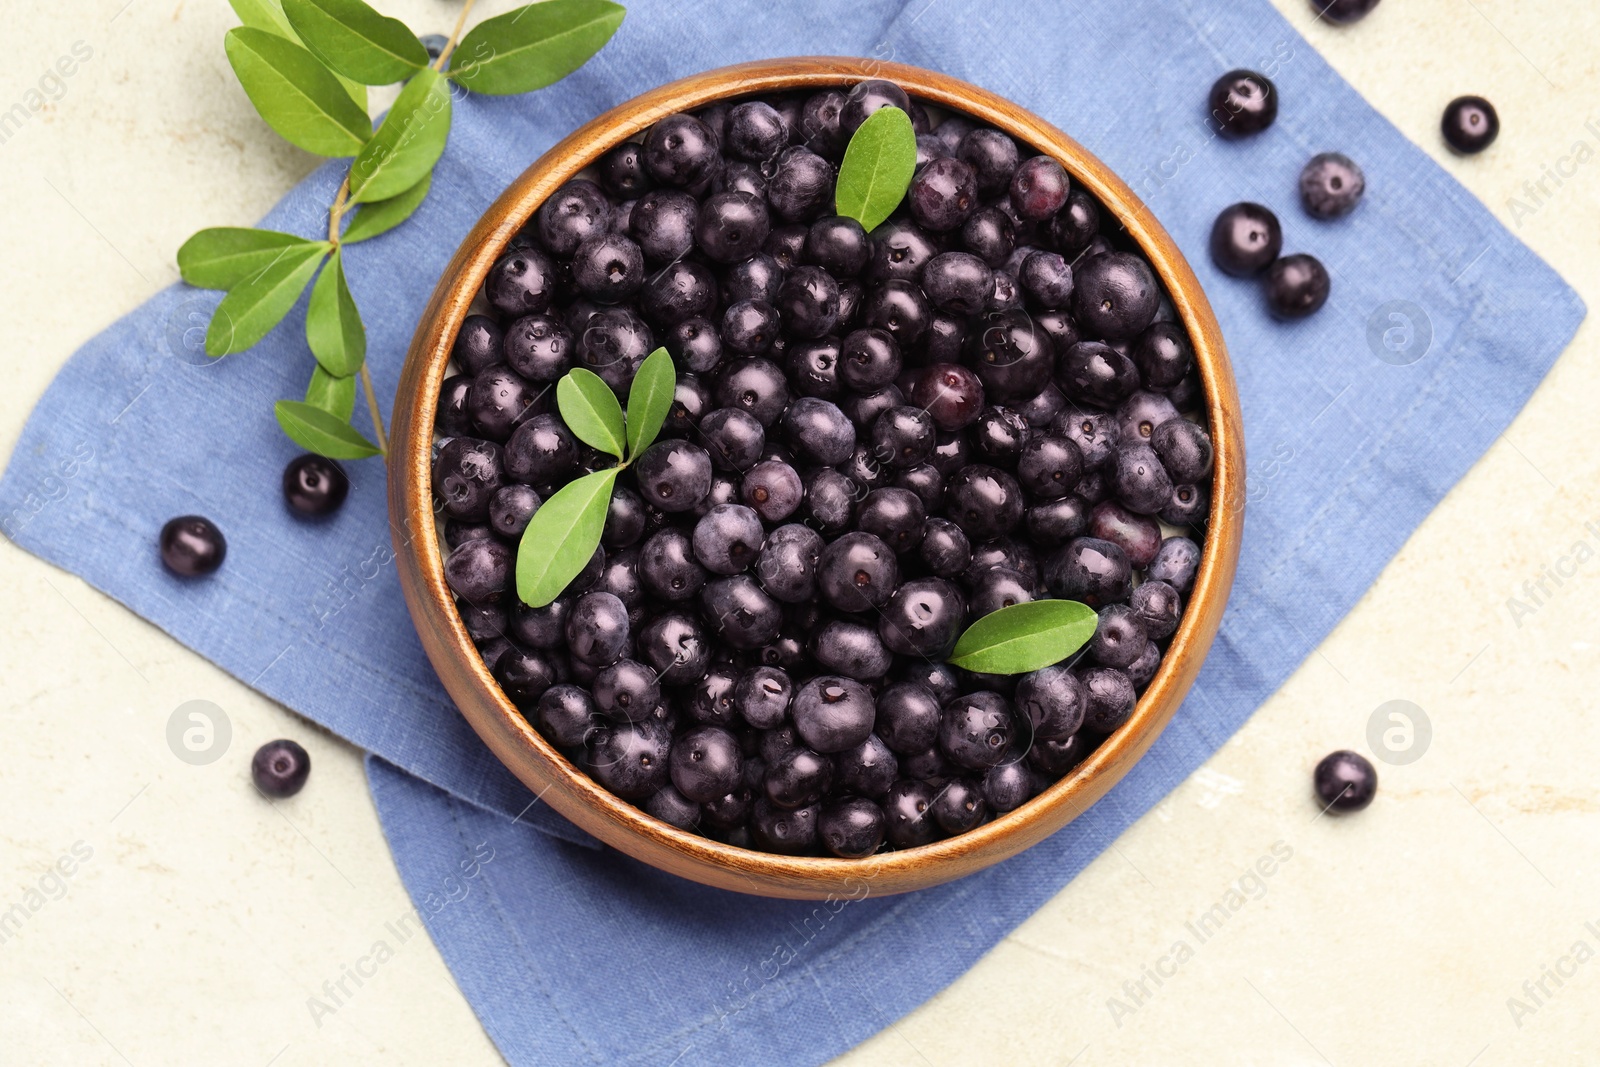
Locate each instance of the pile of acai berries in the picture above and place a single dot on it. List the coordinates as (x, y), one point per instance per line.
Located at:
(876, 439)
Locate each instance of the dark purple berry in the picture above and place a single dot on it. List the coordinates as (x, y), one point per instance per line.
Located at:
(521, 283)
(909, 817)
(923, 618)
(1470, 124)
(866, 97)
(681, 150)
(1242, 103)
(976, 729)
(476, 570)
(740, 612)
(706, 764)
(1331, 185)
(566, 714)
(314, 486)
(992, 156)
(673, 475)
(852, 828)
(630, 758)
(984, 501)
(1175, 563)
(1245, 239)
(852, 649)
(676, 648)
(1158, 608)
(663, 224)
(280, 768)
(1110, 699)
(1091, 570)
(1345, 781)
(1296, 286)
(958, 282)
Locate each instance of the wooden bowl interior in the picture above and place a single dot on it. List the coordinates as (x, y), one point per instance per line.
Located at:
(619, 823)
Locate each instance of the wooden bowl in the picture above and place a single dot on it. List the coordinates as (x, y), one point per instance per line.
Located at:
(583, 800)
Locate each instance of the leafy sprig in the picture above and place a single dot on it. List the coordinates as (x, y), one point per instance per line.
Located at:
(877, 168)
(306, 66)
(1025, 637)
(561, 538)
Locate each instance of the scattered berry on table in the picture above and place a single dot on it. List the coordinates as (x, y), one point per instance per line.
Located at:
(1345, 781)
(314, 485)
(1331, 185)
(280, 768)
(1245, 239)
(1242, 103)
(1296, 286)
(1343, 11)
(1470, 124)
(191, 546)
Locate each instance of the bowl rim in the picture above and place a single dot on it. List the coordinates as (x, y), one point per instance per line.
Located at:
(570, 790)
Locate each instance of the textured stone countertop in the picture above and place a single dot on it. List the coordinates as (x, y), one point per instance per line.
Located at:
(1393, 937)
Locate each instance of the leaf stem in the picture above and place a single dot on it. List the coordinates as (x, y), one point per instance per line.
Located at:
(372, 409)
(336, 212)
(455, 35)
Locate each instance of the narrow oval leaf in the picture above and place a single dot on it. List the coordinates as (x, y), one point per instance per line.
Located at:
(533, 46)
(562, 537)
(409, 142)
(296, 94)
(356, 41)
(649, 400)
(255, 306)
(877, 167)
(268, 15)
(590, 410)
(336, 396)
(384, 215)
(263, 15)
(315, 430)
(1025, 637)
(333, 323)
(222, 257)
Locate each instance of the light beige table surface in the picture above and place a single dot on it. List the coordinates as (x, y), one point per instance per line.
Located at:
(199, 919)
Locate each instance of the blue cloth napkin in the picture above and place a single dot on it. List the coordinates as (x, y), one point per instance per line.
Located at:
(1358, 420)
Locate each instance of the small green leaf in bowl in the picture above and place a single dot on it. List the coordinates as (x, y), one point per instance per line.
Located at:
(1025, 637)
(649, 400)
(877, 167)
(590, 410)
(562, 537)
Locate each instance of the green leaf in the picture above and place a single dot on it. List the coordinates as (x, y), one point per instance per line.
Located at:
(562, 537)
(254, 306)
(268, 15)
(877, 167)
(649, 400)
(296, 94)
(315, 430)
(222, 257)
(590, 410)
(264, 15)
(384, 215)
(333, 323)
(336, 396)
(409, 142)
(1025, 637)
(533, 46)
(356, 41)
